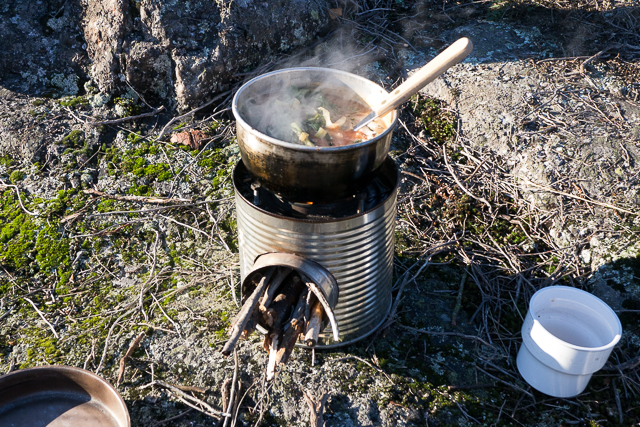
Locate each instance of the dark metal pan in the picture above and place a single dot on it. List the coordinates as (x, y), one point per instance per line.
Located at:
(60, 396)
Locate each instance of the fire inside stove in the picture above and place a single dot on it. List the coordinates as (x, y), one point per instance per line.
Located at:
(363, 199)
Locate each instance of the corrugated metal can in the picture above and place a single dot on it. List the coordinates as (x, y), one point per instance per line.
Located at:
(357, 250)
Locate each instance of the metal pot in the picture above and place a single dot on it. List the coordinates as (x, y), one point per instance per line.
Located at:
(305, 173)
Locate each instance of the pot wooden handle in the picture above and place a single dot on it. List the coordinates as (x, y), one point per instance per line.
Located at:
(425, 75)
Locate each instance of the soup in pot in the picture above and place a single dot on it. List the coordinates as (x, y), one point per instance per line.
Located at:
(314, 115)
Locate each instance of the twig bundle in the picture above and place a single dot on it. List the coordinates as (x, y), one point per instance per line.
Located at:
(283, 303)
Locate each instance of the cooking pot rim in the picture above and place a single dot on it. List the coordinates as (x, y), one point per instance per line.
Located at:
(300, 147)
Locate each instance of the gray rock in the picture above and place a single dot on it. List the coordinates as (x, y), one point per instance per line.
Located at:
(86, 178)
(42, 47)
(203, 45)
(104, 29)
(179, 53)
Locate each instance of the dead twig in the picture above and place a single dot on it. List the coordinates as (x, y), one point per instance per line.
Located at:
(458, 305)
(127, 119)
(573, 196)
(630, 365)
(168, 420)
(143, 288)
(42, 316)
(470, 387)
(462, 187)
(446, 334)
(15, 187)
(139, 199)
(106, 341)
(245, 313)
(515, 387)
(618, 403)
(126, 357)
(188, 400)
(591, 59)
(372, 366)
(175, 325)
(394, 308)
(195, 110)
(161, 208)
(232, 393)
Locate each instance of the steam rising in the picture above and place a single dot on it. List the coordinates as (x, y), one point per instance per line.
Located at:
(273, 112)
(271, 107)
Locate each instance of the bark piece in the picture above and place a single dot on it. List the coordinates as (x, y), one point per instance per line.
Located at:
(193, 138)
(245, 313)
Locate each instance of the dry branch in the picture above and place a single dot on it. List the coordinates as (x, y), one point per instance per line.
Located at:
(189, 400)
(42, 316)
(245, 313)
(127, 119)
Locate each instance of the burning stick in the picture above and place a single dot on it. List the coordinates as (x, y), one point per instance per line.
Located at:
(273, 287)
(314, 324)
(311, 298)
(278, 312)
(245, 313)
